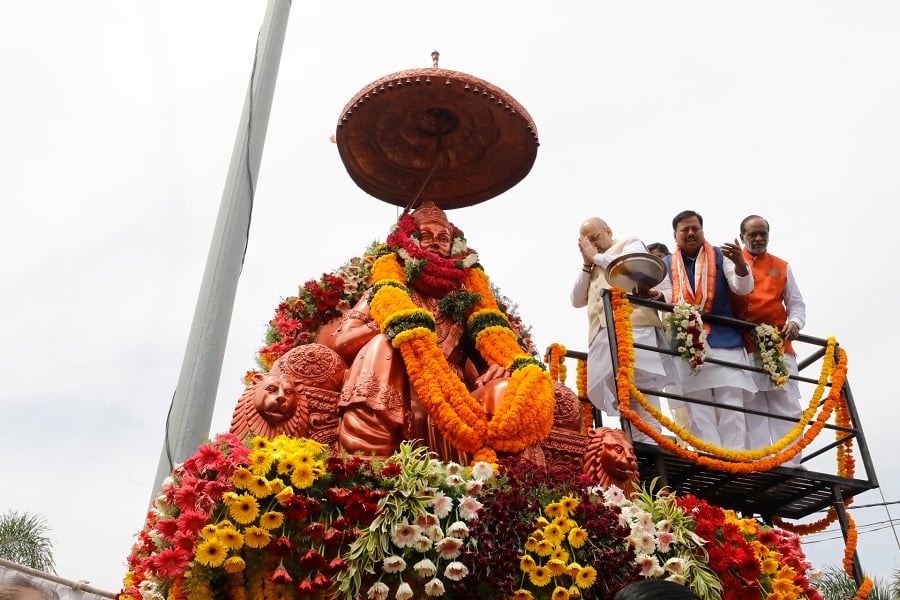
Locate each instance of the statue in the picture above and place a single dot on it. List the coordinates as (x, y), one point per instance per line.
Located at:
(415, 373)
(297, 398)
(610, 460)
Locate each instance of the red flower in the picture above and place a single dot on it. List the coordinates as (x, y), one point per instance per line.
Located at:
(312, 560)
(281, 547)
(280, 576)
(391, 470)
(172, 562)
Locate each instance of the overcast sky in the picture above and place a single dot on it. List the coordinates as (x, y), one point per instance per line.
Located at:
(119, 121)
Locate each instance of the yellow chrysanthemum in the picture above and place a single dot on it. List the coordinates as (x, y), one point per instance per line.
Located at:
(260, 461)
(256, 537)
(542, 522)
(553, 535)
(531, 544)
(244, 509)
(260, 443)
(539, 576)
(271, 519)
(769, 566)
(232, 538)
(522, 595)
(568, 504)
(560, 554)
(234, 564)
(572, 569)
(574, 592)
(211, 553)
(286, 465)
(557, 567)
(303, 476)
(260, 487)
(543, 548)
(242, 478)
(225, 524)
(285, 495)
(526, 563)
(577, 537)
(554, 509)
(208, 532)
(276, 485)
(560, 593)
(586, 577)
(563, 524)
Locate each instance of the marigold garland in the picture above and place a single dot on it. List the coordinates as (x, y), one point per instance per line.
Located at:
(525, 414)
(626, 390)
(556, 362)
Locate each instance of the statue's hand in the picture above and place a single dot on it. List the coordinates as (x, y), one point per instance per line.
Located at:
(493, 372)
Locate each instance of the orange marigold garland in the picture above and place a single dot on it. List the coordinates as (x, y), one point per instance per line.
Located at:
(524, 416)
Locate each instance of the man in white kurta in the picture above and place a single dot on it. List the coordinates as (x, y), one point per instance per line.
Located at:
(598, 249)
(705, 276)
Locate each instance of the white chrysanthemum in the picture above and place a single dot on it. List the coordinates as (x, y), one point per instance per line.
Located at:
(664, 525)
(441, 504)
(665, 539)
(454, 468)
(378, 591)
(677, 578)
(468, 508)
(150, 590)
(434, 588)
(482, 470)
(455, 480)
(449, 547)
(674, 564)
(643, 542)
(458, 529)
(425, 568)
(422, 544)
(474, 487)
(405, 534)
(614, 495)
(393, 564)
(456, 571)
(649, 565)
(404, 592)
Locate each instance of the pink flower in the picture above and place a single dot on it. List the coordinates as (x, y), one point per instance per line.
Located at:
(456, 571)
(449, 547)
(280, 576)
(468, 508)
(172, 562)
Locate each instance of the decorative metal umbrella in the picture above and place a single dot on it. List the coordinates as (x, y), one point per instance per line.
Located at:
(434, 134)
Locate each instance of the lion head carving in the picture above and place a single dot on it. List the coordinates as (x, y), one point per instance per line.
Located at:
(610, 460)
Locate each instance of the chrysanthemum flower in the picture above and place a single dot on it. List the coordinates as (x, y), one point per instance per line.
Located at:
(526, 563)
(425, 568)
(458, 529)
(456, 571)
(232, 538)
(586, 577)
(674, 565)
(211, 553)
(378, 591)
(256, 537)
(556, 567)
(522, 595)
(560, 554)
(234, 564)
(434, 588)
(303, 476)
(244, 509)
(449, 547)
(271, 519)
(393, 564)
(171, 562)
(422, 544)
(242, 478)
(539, 576)
(482, 470)
(568, 504)
(405, 535)
(553, 510)
(560, 593)
(441, 504)
(404, 592)
(572, 569)
(577, 536)
(543, 548)
(468, 508)
(260, 487)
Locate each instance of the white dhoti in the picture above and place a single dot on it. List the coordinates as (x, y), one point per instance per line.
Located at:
(721, 385)
(763, 431)
(652, 370)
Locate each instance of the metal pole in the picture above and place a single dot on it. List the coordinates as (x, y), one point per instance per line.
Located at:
(190, 415)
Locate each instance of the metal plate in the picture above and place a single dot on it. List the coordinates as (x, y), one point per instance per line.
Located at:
(631, 270)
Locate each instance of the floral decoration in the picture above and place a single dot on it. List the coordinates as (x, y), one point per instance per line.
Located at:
(687, 335)
(769, 351)
(285, 519)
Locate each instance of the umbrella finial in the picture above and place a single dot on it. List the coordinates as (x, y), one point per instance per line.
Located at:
(435, 55)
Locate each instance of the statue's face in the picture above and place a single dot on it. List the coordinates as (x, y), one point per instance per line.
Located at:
(618, 459)
(275, 398)
(435, 237)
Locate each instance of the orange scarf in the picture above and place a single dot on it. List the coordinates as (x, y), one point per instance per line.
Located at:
(701, 293)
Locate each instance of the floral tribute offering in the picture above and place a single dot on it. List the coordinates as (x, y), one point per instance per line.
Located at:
(687, 336)
(286, 519)
(769, 351)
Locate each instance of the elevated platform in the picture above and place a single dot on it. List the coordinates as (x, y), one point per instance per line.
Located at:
(781, 492)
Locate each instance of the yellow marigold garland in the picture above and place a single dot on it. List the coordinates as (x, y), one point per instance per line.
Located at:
(626, 389)
(524, 416)
(556, 362)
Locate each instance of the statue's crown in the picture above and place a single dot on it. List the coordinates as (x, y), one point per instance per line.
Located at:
(429, 212)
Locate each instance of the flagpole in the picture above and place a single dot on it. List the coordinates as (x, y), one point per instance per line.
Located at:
(190, 414)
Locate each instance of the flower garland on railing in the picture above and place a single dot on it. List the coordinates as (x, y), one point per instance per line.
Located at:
(524, 416)
(737, 461)
(687, 334)
(581, 389)
(769, 349)
(556, 362)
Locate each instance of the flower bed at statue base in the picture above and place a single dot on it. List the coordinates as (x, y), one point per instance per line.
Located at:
(285, 519)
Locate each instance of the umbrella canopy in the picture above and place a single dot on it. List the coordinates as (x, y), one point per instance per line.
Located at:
(435, 134)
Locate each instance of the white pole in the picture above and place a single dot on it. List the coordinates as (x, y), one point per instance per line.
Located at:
(190, 415)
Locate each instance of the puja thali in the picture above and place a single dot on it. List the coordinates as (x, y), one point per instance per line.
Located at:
(631, 270)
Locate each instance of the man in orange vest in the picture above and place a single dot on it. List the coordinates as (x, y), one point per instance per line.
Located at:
(775, 300)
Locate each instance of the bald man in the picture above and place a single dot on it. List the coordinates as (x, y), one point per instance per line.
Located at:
(598, 248)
